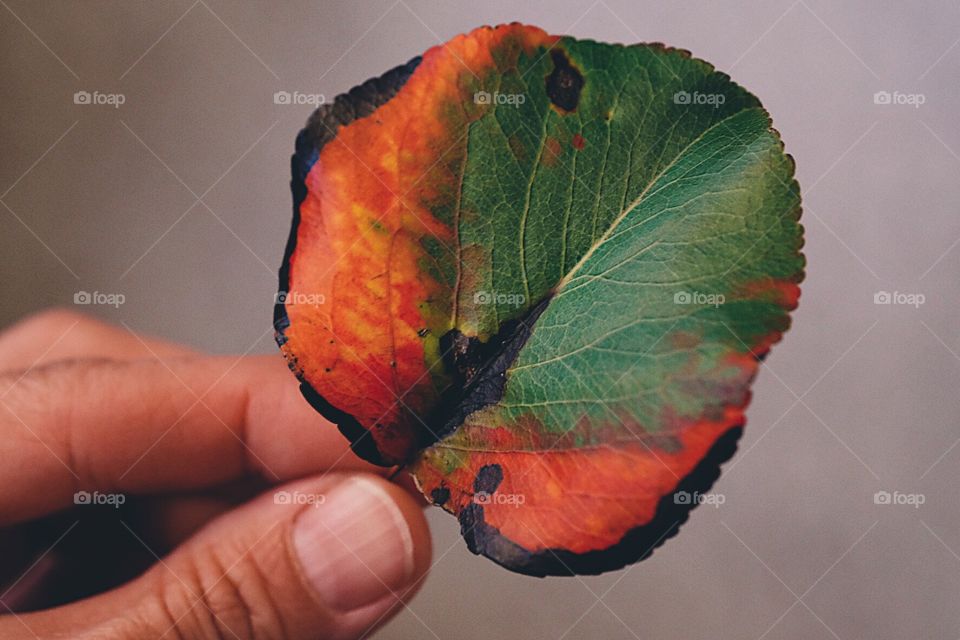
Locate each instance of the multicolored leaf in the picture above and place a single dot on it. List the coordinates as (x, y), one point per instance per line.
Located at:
(540, 273)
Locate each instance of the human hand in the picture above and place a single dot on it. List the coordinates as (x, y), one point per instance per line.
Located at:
(86, 407)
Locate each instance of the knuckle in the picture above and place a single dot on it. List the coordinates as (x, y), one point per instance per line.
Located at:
(28, 413)
(213, 598)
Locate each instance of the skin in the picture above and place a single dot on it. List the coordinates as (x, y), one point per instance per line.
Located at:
(92, 407)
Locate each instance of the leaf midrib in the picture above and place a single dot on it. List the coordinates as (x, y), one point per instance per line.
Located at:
(640, 198)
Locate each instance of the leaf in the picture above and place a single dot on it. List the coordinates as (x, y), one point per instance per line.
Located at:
(540, 272)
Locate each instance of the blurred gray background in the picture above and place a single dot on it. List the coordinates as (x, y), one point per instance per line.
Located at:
(178, 199)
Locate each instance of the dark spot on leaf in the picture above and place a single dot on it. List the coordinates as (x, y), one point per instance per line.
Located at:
(478, 370)
(440, 495)
(488, 478)
(423, 332)
(578, 142)
(464, 355)
(564, 82)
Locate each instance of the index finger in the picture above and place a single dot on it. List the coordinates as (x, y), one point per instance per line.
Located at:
(149, 426)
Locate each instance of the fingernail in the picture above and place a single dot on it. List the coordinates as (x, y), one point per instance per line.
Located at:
(355, 547)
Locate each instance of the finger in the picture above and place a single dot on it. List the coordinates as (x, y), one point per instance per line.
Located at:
(154, 426)
(169, 519)
(62, 334)
(333, 561)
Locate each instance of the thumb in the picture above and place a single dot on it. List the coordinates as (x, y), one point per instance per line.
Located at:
(331, 557)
